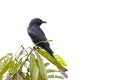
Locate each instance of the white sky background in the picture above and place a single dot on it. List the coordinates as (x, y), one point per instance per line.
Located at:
(85, 32)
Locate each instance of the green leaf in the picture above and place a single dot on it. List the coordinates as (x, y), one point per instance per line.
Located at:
(48, 41)
(60, 60)
(43, 41)
(42, 70)
(34, 71)
(17, 67)
(51, 59)
(51, 70)
(5, 68)
(46, 64)
(5, 59)
(11, 67)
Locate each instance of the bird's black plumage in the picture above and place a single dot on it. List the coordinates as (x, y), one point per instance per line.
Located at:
(37, 35)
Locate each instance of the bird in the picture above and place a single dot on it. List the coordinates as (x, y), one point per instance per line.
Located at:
(39, 38)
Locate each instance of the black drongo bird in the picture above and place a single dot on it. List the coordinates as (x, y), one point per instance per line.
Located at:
(38, 37)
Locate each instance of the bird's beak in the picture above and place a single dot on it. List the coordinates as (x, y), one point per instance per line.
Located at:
(44, 22)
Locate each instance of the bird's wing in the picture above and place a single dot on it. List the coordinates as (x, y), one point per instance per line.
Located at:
(36, 35)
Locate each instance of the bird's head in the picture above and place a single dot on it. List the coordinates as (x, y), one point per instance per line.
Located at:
(37, 21)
